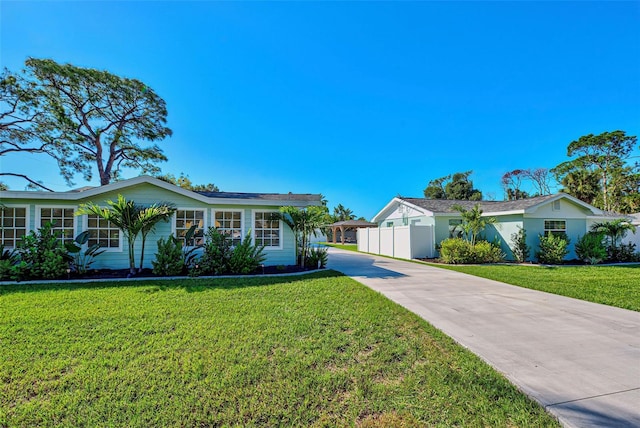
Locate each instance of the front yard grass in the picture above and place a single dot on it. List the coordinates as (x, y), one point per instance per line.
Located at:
(610, 285)
(314, 350)
(348, 247)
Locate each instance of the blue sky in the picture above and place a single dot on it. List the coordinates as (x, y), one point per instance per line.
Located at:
(359, 101)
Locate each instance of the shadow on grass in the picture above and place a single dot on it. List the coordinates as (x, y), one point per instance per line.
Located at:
(191, 285)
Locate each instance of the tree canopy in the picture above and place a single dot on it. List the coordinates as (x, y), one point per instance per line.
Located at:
(457, 186)
(88, 120)
(603, 159)
(185, 182)
(21, 122)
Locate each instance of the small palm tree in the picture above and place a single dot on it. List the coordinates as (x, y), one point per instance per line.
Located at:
(132, 219)
(473, 222)
(615, 231)
(148, 218)
(303, 222)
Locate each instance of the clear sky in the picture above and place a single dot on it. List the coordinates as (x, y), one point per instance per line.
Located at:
(359, 101)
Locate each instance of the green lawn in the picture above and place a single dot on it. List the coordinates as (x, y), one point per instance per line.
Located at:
(348, 247)
(317, 350)
(611, 285)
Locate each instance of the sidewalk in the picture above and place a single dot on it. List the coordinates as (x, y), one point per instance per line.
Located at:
(580, 360)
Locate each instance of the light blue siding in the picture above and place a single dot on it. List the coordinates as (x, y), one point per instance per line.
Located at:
(146, 194)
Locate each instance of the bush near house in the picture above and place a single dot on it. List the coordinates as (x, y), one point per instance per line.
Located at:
(458, 250)
(553, 249)
(590, 248)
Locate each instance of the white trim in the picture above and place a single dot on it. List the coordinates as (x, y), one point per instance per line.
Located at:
(27, 219)
(85, 227)
(205, 224)
(38, 217)
(253, 229)
(545, 230)
(390, 207)
(243, 228)
(119, 185)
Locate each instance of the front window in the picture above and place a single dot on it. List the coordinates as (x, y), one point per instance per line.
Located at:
(555, 227)
(229, 223)
(62, 219)
(185, 219)
(102, 232)
(13, 225)
(267, 229)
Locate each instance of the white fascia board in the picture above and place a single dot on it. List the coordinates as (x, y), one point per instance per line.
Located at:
(499, 213)
(394, 202)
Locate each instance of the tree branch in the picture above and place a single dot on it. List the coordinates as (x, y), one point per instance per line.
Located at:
(35, 183)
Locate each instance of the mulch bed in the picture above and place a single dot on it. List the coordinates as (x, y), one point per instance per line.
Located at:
(148, 273)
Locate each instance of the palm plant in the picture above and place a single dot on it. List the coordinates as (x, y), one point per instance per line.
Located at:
(303, 222)
(615, 231)
(149, 217)
(473, 222)
(132, 219)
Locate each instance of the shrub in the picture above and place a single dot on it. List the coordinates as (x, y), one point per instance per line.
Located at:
(245, 257)
(590, 248)
(624, 253)
(317, 258)
(220, 258)
(457, 250)
(487, 252)
(41, 255)
(553, 249)
(169, 258)
(520, 248)
(216, 255)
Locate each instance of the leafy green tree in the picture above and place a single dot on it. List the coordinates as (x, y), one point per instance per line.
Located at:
(97, 120)
(185, 182)
(614, 231)
(473, 222)
(605, 155)
(303, 222)
(132, 219)
(20, 120)
(456, 187)
(581, 183)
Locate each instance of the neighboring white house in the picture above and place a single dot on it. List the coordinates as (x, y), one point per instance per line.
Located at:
(559, 213)
(235, 214)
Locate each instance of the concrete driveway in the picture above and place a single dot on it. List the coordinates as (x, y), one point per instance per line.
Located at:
(580, 360)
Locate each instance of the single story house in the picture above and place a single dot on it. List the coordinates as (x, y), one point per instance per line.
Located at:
(233, 213)
(559, 213)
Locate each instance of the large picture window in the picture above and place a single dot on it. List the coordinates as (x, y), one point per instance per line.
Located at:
(229, 223)
(13, 225)
(102, 232)
(555, 227)
(267, 229)
(63, 221)
(184, 220)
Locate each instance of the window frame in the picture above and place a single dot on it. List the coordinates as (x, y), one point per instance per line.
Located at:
(38, 223)
(27, 223)
(556, 232)
(174, 228)
(231, 210)
(280, 229)
(119, 249)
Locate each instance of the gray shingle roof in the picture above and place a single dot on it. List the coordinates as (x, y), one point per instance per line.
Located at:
(446, 205)
(264, 196)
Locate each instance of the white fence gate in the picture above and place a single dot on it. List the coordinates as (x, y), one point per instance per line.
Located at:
(404, 242)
